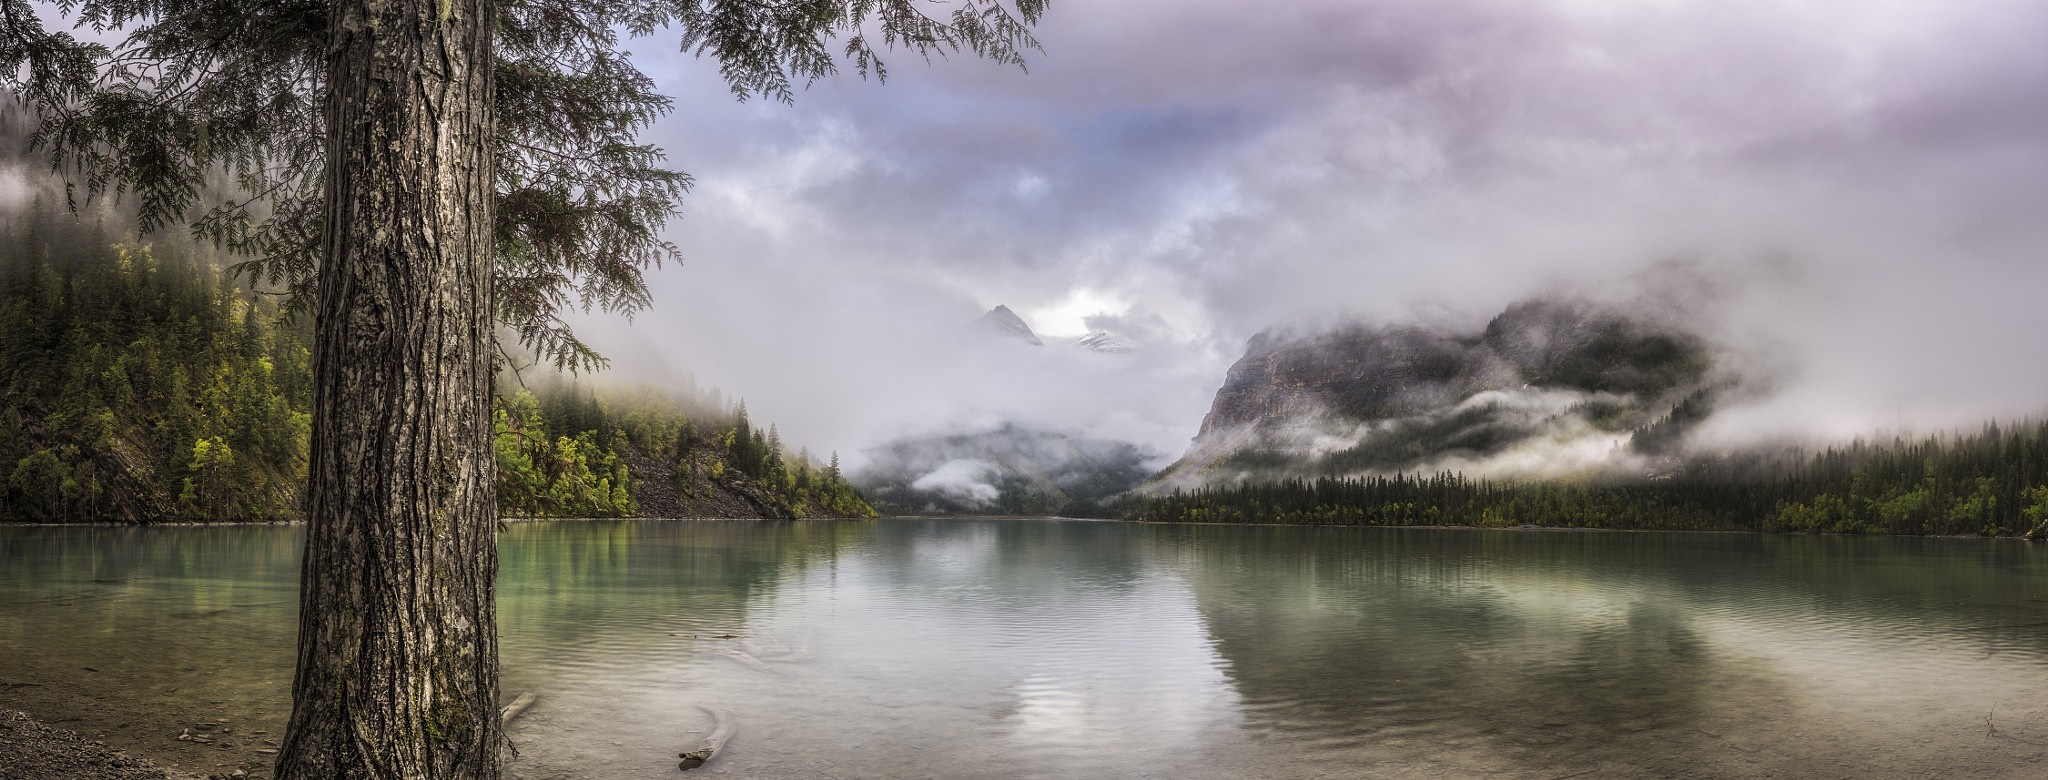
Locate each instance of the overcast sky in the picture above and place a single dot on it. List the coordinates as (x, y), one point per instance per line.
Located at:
(1860, 187)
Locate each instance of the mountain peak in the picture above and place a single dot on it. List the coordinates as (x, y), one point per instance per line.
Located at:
(1001, 320)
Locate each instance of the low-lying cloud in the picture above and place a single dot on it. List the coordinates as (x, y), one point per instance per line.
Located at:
(964, 480)
(1865, 176)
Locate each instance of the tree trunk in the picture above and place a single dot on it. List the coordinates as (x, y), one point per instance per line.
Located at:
(398, 647)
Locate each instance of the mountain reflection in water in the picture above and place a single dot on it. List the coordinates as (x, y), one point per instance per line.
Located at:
(1029, 648)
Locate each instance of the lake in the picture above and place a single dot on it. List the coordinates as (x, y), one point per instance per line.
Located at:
(1070, 649)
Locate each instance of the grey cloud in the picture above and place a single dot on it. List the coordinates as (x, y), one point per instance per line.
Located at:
(1864, 179)
(966, 481)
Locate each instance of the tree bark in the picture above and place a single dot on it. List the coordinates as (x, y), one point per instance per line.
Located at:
(398, 653)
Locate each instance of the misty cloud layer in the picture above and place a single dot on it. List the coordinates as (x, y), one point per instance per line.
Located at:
(1859, 185)
(1008, 469)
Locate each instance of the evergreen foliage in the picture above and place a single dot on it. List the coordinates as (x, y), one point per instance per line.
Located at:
(1991, 483)
(543, 475)
(140, 383)
(563, 450)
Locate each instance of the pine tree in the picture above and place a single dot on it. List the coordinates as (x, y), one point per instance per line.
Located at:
(505, 133)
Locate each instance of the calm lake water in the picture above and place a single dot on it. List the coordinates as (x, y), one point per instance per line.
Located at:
(1002, 649)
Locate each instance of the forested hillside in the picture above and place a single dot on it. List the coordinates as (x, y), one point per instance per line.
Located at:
(564, 449)
(1991, 483)
(141, 383)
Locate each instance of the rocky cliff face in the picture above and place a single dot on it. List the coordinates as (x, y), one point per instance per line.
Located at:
(1547, 385)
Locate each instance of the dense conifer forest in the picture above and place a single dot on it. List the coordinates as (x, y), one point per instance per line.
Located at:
(1990, 483)
(139, 382)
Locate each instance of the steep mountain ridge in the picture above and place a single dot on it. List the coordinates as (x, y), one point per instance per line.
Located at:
(1551, 384)
(1003, 322)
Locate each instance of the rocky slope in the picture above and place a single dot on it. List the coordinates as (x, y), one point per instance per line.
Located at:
(1548, 386)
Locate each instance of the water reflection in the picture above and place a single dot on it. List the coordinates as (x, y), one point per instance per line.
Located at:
(136, 633)
(983, 649)
(616, 624)
(1460, 653)
(999, 649)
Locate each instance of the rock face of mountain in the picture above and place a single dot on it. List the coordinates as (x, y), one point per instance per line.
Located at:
(1011, 470)
(1001, 321)
(1546, 385)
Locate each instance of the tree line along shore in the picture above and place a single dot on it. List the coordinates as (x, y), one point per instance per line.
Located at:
(1991, 483)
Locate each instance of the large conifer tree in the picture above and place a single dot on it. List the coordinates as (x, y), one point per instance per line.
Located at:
(420, 173)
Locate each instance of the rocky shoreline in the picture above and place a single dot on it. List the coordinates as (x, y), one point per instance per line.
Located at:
(30, 750)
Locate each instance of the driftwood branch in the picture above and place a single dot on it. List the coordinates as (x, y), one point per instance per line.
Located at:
(720, 732)
(519, 705)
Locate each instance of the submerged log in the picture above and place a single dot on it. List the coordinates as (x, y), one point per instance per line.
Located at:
(765, 646)
(773, 647)
(720, 732)
(517, 706)
(748, 660)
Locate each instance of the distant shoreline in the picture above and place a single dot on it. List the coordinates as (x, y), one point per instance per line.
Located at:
(218, 523)
(1567, 529)
(1521, 528)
